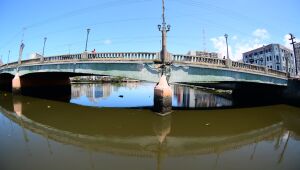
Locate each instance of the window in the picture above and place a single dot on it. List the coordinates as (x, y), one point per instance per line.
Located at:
(270, 58)
(277, 67)
(277, 58)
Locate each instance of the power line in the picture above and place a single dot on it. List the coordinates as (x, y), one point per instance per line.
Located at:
(100, 7)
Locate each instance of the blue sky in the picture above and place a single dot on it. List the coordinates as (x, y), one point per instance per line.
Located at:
(131, 25)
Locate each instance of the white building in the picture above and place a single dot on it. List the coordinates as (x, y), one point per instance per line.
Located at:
(273, 56)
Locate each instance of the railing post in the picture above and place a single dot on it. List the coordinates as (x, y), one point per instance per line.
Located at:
(84, 55)
(228, 63)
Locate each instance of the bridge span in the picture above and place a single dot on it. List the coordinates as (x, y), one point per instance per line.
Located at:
(55, 71)
(146, 66)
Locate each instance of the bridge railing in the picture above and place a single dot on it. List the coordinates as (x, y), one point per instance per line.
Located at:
(198, 60)
(129, 55)
(257, 68)
(244, 66)
(226, 64)
(66, 57)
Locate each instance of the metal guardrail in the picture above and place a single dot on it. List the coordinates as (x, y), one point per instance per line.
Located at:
(150, 56)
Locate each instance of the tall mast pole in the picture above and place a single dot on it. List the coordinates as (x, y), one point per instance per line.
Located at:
(164, 28)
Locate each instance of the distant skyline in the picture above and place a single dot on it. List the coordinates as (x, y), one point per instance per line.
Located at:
(131, 25)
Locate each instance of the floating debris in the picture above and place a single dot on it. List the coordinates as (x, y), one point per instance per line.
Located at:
(121, 96)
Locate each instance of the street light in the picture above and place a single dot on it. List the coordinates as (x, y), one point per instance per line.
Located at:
(45, 39)
(226, 36)
(8, 56)
(163, 28)
(87, 38)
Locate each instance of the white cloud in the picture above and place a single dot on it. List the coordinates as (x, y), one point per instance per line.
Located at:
(240, 46)
(261, 34)
(220, 44)
(107, 42)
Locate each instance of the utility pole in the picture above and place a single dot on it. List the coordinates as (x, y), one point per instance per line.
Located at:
(1, 62)
(45, 39)
(87, 38)
(293, 43)
(226, 37)
(265, 63)
(22, 45)
(8, 56)
(164, 28)
(204, 40)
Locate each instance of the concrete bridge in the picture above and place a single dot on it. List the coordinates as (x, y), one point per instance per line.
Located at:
(143, 66)
(55, 71)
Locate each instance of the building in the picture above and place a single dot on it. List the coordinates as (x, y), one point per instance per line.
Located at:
(297, 53)
(273, 56)
(203, 54)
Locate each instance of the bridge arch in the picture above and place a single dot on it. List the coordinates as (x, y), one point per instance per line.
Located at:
(5, 81)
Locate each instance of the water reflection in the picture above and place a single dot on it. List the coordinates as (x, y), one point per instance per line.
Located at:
(203, 139)
(141, 95)
(195, 98)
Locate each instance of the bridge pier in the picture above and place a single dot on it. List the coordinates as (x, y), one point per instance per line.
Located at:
(162, 97)
(16, 84)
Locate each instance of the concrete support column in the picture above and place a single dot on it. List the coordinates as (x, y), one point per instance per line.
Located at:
(16, 84)
(162, 97)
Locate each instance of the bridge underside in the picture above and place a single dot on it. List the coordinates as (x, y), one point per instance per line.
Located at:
(5, 81)
(249, 93)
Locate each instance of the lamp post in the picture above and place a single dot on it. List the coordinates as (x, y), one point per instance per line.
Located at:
(164, 28)
(8, 57)
(87, 38)
(226, 37)
(45, 39)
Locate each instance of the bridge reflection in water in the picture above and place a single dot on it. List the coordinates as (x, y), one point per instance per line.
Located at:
(106, 95)
(56, 133)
